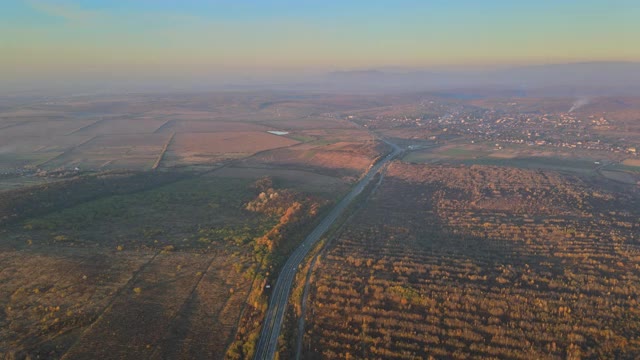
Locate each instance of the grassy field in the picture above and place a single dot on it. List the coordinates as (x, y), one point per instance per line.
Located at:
(551, 163)
(168, 215)
(181, 258)
(14, 161)
(208, 147)
(478, 155)
(448, 152)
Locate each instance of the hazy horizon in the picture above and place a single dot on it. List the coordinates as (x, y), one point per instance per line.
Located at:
(91, 44)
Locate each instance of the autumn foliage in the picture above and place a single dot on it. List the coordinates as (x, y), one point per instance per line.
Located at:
(481, 262)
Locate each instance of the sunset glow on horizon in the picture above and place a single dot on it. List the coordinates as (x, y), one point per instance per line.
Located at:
(47, 38)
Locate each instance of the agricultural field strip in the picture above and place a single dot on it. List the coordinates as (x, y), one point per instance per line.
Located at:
(93, 124)
(14, 124)
(169, 125)
(110, 303)
(68, 151)
(268, 341)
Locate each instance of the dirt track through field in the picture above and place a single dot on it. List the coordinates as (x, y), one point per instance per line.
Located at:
(120, 291)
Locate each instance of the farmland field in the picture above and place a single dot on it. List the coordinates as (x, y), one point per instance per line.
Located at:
(155, 226)
(211, 147)
(209, 126)
(121, 126)
(334, 158)
(44, 128)
(632, 162)
(124, 151)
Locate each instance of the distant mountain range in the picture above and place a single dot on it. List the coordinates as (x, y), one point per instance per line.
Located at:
(593, 78)
(574, 79)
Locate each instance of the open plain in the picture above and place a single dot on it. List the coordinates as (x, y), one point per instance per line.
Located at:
(155, 226)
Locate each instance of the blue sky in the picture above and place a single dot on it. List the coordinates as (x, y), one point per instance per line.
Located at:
(46, 38)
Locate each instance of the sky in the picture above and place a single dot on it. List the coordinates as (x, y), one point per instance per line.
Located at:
(72, 39)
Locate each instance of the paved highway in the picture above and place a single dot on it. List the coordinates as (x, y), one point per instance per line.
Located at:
(268, 341)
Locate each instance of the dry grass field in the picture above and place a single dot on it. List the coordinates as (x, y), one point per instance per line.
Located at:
(210, 126)
(310, 123)
(342, 159)
(170, 307)
(193, 148)
(123, 151)
(49, 294)
(113, 132)
(632, 162)
(80, 303)
(134, 125)
(164, 271)
(43, 128)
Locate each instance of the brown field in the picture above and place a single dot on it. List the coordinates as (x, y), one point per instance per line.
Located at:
(212, 147)
(32, 151)
(38, 144)
(122, 126)
(80, 303)
(310, 123)
(342, 159)
(28, 113)
(192, 126)
(480, 262)
(503, 154)
(152, 321)
(632, 162)
(43, 128)
(58, 133)
(136, 151)
(180, 114)
(47, 294)
(334, 135)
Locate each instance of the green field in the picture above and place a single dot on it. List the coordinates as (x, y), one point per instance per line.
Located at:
(463, 153)
(18, 160)
(459, 153)
(301, 138)
(622, 167)
(471, 157)
(537, 162)
(188, 248)
(173, 214)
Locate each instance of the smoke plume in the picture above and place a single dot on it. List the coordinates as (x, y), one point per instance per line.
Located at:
(578, 104)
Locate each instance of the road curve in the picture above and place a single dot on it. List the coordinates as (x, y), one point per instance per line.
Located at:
(268, 341)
